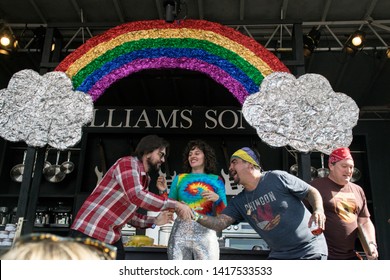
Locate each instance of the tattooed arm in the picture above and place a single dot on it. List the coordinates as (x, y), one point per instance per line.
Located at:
(216, 223)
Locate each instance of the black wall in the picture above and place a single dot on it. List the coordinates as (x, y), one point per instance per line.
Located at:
(377, 134)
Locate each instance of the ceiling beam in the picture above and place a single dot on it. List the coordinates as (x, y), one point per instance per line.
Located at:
(242, 9)
(370, 9)
(38, 11)
(200, 9)
(324, 15)
(283, 10)
(263, 31)
(159, 9)
(247, 23)
(377, 35)
(118, 10)
(77, 8)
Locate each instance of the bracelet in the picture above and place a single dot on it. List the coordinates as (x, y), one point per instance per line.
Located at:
(162, 192)
(197, 216)
(372, 242)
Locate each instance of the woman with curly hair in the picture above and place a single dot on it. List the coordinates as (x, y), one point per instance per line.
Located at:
(204, 192)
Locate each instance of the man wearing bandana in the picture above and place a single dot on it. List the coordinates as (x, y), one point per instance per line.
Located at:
(271, 203)
(345, 207)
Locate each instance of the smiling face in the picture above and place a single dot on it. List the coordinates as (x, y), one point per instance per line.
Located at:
(237, 170)
(196, 160)
(341, 172)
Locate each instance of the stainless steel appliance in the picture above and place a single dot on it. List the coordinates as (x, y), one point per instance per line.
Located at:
(243, 236)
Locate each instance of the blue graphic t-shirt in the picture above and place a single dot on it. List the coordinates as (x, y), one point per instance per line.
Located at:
(275, 210)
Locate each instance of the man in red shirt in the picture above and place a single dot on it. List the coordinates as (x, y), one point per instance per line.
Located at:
(124, 189)
(345, 206)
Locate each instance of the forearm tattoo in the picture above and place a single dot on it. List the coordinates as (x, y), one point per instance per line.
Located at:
(217, 223)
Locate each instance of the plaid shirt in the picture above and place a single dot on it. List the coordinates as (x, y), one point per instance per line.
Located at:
(115, 200)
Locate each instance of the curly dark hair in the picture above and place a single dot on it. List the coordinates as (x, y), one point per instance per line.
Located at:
(210, 159)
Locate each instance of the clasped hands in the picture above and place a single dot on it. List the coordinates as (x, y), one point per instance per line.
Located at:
(186, 213)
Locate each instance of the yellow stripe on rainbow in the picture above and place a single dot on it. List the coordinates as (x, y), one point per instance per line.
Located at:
(182, 33)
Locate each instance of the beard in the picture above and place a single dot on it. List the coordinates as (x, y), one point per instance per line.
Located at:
(153, 166)
(234, 177)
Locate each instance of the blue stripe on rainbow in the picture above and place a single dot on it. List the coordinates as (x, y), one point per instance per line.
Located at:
(225, 65)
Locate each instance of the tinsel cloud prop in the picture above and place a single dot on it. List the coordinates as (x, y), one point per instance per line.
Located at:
(43, 110)
(304, 113)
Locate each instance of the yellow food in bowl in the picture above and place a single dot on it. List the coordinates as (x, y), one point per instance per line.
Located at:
(139, 241)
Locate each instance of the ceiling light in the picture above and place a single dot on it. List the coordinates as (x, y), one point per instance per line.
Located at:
(388, 52)
(310, 41)
(7, 43)
(357, 38)
(355, 42)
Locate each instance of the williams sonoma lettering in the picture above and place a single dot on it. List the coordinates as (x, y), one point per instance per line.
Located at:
(194, 120)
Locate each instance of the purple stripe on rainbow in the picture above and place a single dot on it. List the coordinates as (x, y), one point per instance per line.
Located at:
(137, 65)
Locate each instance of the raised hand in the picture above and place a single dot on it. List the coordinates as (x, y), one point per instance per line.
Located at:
(161, 184)
(210, 195)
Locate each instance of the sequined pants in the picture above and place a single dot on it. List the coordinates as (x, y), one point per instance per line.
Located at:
(192, 241)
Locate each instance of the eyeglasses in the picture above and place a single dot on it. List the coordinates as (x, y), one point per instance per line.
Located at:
(107, 251)
(161, 155)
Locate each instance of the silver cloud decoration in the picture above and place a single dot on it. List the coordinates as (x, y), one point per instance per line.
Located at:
(42, 110)
(304, 113)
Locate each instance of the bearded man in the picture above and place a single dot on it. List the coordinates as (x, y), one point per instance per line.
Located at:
(124, 189)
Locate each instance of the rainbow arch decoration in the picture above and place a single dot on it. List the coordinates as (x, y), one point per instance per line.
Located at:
(230, 58)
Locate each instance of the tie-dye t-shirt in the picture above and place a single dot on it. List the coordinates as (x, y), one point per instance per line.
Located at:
(188, 188)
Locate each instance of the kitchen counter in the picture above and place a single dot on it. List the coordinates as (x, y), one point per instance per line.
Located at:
(160, 253)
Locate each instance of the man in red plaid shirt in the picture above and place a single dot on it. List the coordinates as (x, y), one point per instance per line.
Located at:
(123, 189)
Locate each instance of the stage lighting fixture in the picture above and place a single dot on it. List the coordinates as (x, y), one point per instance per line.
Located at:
(355, 42)
(310, 41)
(5, 40)
(7, 43)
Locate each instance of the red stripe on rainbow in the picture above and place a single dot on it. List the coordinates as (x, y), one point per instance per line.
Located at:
(272, 61)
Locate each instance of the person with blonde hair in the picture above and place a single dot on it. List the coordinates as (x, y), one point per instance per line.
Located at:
(46, 246)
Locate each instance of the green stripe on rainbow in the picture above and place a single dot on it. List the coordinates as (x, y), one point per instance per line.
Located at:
(241, 62)
(175, 43)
